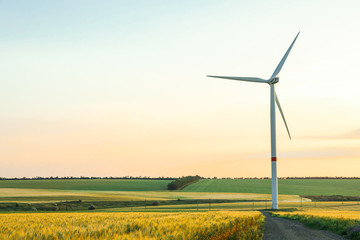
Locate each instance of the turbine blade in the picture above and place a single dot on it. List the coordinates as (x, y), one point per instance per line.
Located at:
(282, 114)
(278, 68)
(247, 79)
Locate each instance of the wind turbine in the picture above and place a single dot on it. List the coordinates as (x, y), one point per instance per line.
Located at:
(273, 99)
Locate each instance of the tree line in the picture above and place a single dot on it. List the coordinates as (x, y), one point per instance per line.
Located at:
(84, 177)
(162, 178)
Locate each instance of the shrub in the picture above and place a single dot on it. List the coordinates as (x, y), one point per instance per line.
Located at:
(91, 207)
(172, 186)
(156, 203)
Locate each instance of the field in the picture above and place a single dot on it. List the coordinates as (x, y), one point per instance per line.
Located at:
(286, 206)
(144, 209)
(120, 194)
(346, 187)
(213, 225)
(36, 195)
(89, 184)
(321, 212)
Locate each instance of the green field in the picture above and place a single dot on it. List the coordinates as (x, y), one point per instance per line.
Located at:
(48, 195)
(243, 206)
(89, 184)
(120, 194)
(346, 187)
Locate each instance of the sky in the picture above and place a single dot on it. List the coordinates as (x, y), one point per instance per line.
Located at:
(119, 88)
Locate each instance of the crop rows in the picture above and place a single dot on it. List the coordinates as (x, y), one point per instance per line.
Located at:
(210, 225)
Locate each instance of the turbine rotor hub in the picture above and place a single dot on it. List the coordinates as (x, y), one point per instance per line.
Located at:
(274, 80)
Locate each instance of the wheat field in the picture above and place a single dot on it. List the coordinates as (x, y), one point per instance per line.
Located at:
(209, 225)
(325, 213)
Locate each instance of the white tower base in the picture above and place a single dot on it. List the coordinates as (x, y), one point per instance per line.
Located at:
(274, 181)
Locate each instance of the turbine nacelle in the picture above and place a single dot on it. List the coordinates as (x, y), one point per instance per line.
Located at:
(274, 80)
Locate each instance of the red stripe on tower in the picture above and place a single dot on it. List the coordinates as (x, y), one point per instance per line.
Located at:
(273, 159)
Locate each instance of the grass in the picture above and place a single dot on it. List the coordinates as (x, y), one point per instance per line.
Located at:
(41, 199)
(46, 195)
(222, 194)
(211, 205)
(346, 187)
(89, 184)
(191, 204)
(343, 222)
(106, 205)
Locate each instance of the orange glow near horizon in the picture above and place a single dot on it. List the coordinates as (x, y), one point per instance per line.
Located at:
(170, 147)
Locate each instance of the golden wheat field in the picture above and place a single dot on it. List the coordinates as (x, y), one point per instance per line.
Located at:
(208, 225)
(335, 214)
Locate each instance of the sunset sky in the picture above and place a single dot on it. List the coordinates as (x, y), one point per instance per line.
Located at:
(116, 88)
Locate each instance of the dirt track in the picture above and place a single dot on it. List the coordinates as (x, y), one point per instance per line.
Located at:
(285, 229)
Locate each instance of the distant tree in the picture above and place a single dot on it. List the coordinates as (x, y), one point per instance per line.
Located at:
(172, 186)
(156, 203)
(182, 182)
(91, 207)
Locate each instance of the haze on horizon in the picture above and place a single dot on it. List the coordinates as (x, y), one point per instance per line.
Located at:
(116, 88)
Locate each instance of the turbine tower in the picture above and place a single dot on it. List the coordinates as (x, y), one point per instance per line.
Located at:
(273, 99)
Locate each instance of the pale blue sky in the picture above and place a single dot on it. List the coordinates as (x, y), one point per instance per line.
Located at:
(114, 72)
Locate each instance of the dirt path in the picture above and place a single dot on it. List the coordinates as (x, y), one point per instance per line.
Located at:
(285, 229)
